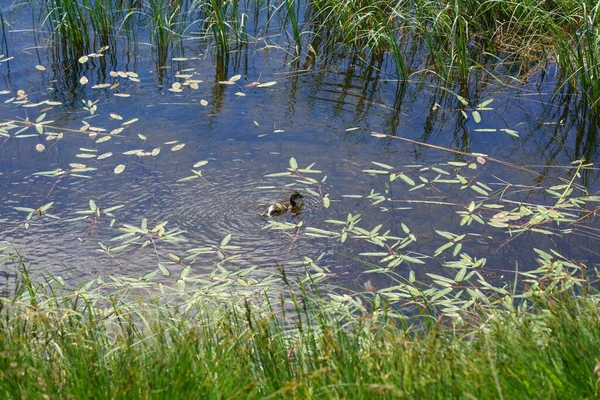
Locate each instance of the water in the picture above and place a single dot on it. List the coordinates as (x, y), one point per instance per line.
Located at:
(322, 116)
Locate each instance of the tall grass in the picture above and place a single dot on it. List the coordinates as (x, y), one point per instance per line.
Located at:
(124, 339)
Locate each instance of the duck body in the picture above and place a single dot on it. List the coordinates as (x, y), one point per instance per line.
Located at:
(294, 206)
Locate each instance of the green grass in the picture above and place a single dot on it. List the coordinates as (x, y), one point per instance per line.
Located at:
(107, 340)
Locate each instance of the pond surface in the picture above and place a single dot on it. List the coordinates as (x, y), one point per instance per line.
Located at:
(316, 113)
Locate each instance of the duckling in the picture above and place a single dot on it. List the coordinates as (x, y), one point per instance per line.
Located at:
(294, 205)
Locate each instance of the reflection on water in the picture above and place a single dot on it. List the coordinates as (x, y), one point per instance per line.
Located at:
(246, 132)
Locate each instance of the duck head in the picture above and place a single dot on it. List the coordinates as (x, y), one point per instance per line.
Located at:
(295, 197)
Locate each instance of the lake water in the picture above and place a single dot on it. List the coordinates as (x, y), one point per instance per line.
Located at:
(321, 112)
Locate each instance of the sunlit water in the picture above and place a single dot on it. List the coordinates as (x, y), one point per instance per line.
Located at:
(324, 117)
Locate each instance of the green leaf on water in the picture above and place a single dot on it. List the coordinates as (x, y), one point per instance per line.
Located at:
(266, 84)
(24, 209)
(510, 132)
(278, 174)
(375, 171)
(119, 169)
(185, 272)
(460, 275)
(382, 165)
(484, 104)
(479, 190)
(163, 270)
(225, 240)
(406, 179)
(441, 249)
(463, 101)
(476, 116)
(293, 163)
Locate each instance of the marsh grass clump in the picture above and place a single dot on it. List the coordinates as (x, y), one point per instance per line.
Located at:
(448, 39)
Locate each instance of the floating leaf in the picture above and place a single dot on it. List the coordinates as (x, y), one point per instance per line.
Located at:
(178, 147)
(203, 102)
(119, 169)
(277, 174)
(40, 147)
(406, 179)
(40, 67)
(104, 139)
(122, 95)
(484, 104)
(185, 272)
(131, 121)
(101, 86)
(293, 163)
(266, 84)
(200, 163)
(382, 165)
(463, 101)
(225, 240)
(105, 155)
(511, 132)
(235, 78)
(476, 116)
(83, 80)
(83, 59)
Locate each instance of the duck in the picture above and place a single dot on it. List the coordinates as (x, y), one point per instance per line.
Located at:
(294, 206)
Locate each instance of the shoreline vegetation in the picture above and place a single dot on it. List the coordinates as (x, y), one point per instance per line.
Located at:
(141, 338)
(451, 40)
(280, 334)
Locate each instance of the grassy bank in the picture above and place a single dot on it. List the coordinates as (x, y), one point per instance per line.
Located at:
(106, 340)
